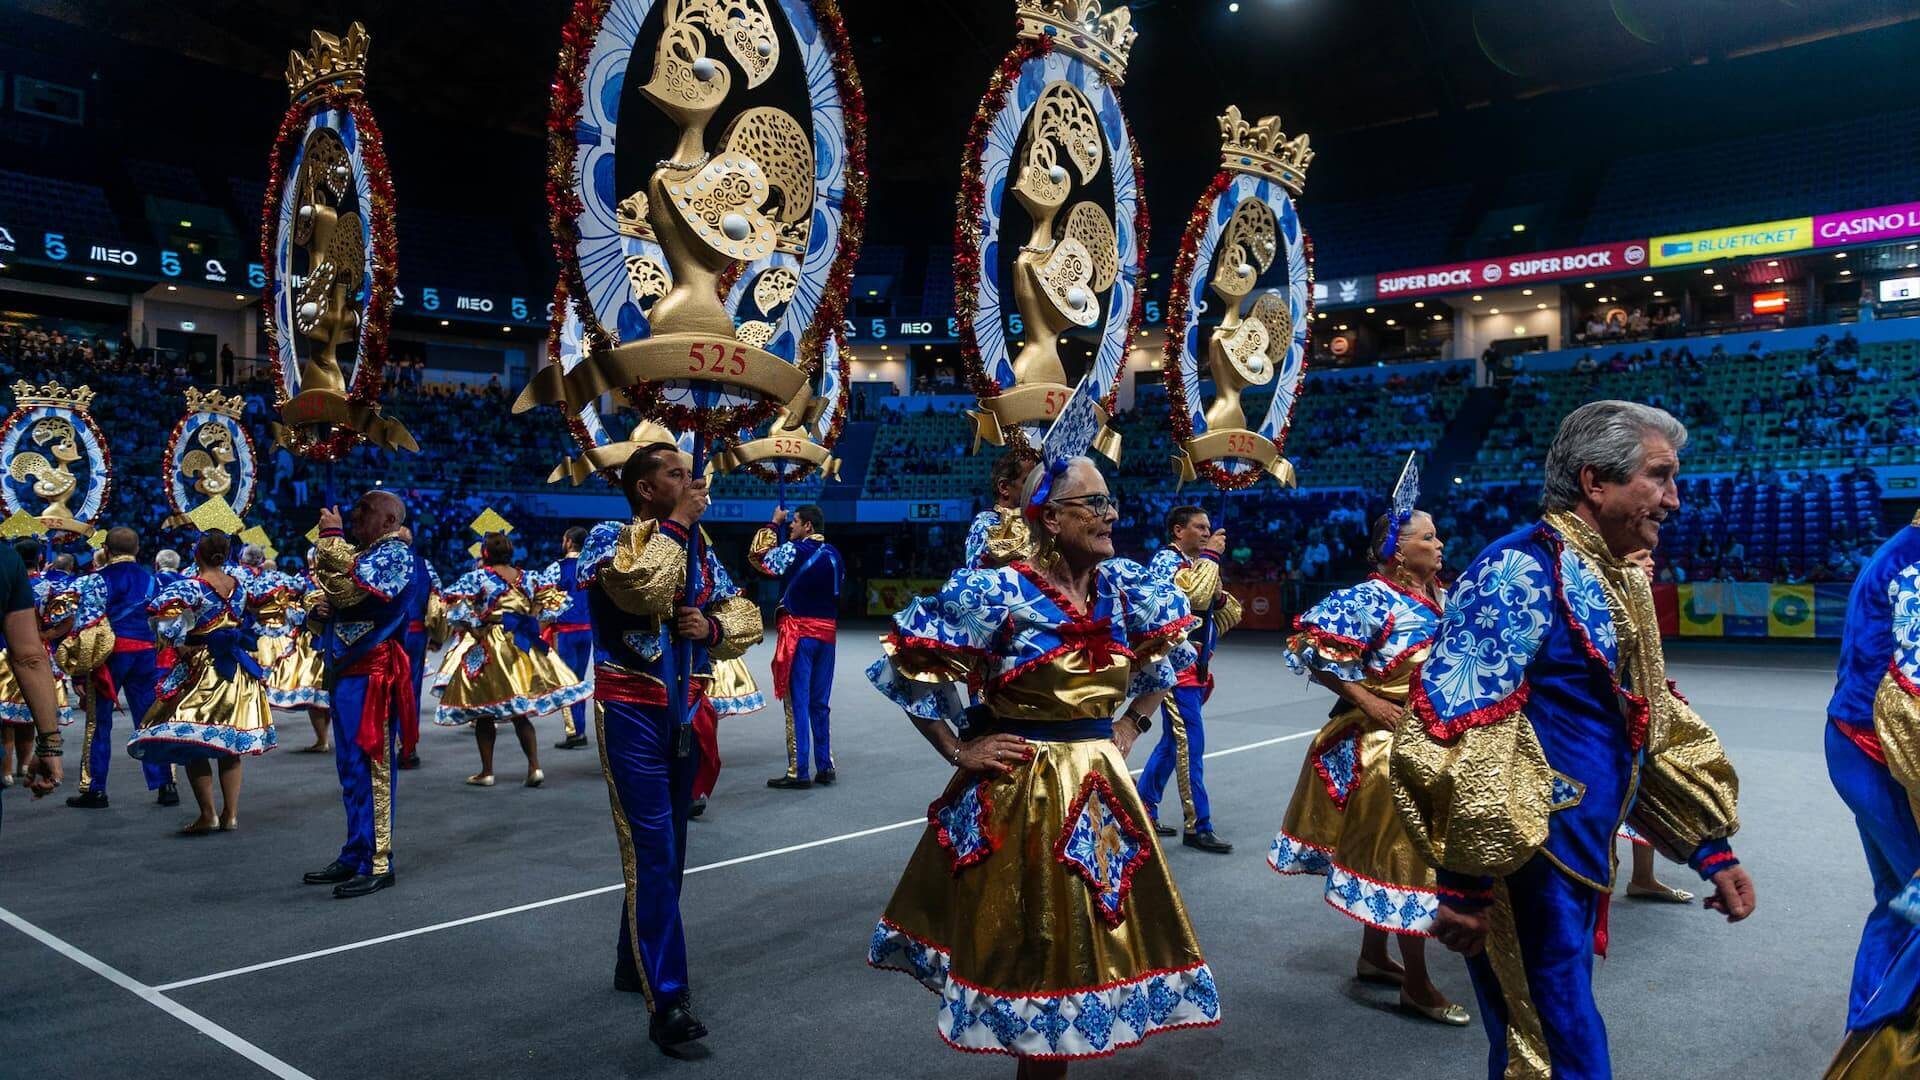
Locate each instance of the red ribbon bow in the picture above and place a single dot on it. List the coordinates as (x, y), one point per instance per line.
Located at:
(1092, 638)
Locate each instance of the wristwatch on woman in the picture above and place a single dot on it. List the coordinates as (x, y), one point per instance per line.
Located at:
(1143, 721)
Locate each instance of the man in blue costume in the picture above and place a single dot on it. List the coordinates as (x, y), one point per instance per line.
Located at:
(570, 633)
(367, 590)
(1873, 756)
(130, 670)
(1541, 721)
(803, 655)
(655, 633)
(1191, 560)
(426, 587)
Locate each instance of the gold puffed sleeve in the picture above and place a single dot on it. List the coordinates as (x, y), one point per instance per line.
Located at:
(1688, 791)
(740, 626)
(647, 571)
(548, 599)
(763, 541)
(1896, 719)
(82, 653)
(1476, 803)
(1008, 541)
(1200, 580)
(334, 560)
(1227, 615)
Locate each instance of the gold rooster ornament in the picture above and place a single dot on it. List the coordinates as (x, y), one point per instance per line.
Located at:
(210, 455)
(54, 458)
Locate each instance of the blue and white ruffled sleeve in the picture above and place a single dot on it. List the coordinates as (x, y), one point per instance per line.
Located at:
(940, 642)
(467, 599)
(1156, 615)
(177, 608)
(1335, 635)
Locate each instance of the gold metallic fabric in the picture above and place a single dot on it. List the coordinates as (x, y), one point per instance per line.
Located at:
(1200, 580)
(1882, 1052)
(1475, 805)
(763, 541)
(299, 666)
(1066, 687)
(86, 748)
(1182, 760)
(206, 698)
(509, 673)
(1022, 922)
(1227, 615)
(623, 836)
(1526, 1040)
(1008, 541)
(1896, 719)
(741, 627)
(733, 682)
(647, 572)
(81, 654)
(381, 769)
(334, 559)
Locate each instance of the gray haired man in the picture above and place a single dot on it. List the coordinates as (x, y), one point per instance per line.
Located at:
(1540, 722)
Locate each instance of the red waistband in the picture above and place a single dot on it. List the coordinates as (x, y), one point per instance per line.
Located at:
(416, 627)
(379, 658)
(572, 627)
(610, 684)
(121, 645)
(1867, 739)
(802, 626)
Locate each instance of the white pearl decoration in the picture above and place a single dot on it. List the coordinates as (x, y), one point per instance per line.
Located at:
(1077, 297)
(705, 69)
(309, 310)
(765, 48)
(1243, 270)
(1057, 175)
(736, 227)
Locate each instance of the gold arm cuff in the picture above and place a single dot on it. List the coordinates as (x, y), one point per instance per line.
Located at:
(1477, 804)
(741, 627)
(1688, 791)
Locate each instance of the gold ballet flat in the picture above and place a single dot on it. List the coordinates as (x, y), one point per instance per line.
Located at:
(1665, 894)
(1449, 1013)
(480, 781)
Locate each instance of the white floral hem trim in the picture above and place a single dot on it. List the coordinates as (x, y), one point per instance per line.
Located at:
(297, 699)
(178, 740)
(1090, 1023)
(1393, 908)
(13, 712)
(740, 706)
(454, 715)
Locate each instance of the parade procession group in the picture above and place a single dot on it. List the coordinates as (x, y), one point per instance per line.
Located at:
(1490, 740)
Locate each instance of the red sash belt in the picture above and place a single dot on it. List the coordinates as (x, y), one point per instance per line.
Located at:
(1867, 739)
(121, 645)
(389, 694)
(634, 689)
(551, 632)
(794, 628)
(416, 627)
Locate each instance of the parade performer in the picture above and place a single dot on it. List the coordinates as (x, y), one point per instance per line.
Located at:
(55, 605)
(428, 609)
(803, 658)
(275, 599)
(566, 628)
(998, 535)
(130, 670)
(212, 706)
(1873, 757)
(1038, 904)
(83, 652)
(1365, 643)
(501, 670)
(1191, 561)
(359, 617)
(298, 679)
(635, 576)
(1541, 719)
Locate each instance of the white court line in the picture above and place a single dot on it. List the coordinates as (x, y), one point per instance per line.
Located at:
(721, 865)
(152, 996)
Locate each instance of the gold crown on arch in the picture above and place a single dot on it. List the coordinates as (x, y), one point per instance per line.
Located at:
(214, 401)
(28, 396)
(1078, 27)
(341, 61)
(1263, 149)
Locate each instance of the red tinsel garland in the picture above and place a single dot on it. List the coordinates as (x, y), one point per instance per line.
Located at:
(371, 351)
(577, 36)
(556, 326)
(971, 211)
(1180, 416)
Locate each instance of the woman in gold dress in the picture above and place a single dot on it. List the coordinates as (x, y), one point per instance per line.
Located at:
(212, 706)
(501, 670)
(1038, 905)
(297, 678)
(1365, 643)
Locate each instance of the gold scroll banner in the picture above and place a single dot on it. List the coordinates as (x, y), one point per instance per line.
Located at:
(780, 449)
(323, 406)
(1035, 403)
(1232, 444)
(667, 358)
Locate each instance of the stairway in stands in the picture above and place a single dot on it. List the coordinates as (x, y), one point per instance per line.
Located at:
(1465, 432)
(855, 451)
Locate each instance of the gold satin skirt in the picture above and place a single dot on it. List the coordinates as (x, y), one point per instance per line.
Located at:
(1889, 1050)
(1342, 824)
(488, 676)
(733, 691)
(1039, 907)
(200, 715)
(13, 704)
(297, 676)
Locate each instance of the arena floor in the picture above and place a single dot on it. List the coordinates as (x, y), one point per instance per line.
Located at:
(133, 952)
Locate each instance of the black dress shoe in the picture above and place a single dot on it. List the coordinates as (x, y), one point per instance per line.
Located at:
(790, 783)
(169, 795)
(825, 777)
(625, 981)
(1206, 841)
(674, 1027)
(335, 873)
(1165, 830)
(571, 742)
(363, 885)
(411, 761)
(699, 807)
(88, 800)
